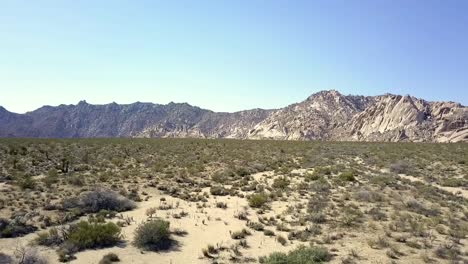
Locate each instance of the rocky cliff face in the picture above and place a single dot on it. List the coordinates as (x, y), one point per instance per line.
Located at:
(327, 115)
(315, 118)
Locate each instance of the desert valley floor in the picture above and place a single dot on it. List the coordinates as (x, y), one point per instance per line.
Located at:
(232, 201)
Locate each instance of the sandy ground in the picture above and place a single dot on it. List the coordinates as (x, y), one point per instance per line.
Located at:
(204, 226)
(212, 226)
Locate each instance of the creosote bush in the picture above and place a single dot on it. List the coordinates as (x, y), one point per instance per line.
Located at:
(153, 235)
(301, 255)
(85, 235)
(258, 200)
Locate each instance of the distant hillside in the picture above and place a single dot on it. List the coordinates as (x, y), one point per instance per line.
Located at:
(326, 115)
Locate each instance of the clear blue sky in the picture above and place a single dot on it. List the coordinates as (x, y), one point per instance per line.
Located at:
(229, 55)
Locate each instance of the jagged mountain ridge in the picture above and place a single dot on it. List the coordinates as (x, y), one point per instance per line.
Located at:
(326, 115)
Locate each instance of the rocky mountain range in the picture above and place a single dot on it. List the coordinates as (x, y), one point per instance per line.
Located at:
(326, 115)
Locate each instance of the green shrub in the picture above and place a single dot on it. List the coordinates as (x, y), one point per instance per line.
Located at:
(109, 258)
(454, 182)
(153, 235)
(347, 176)
(219, 191)
(86, 235)
(26, 182)
(258, 200)
(280, 183)
(301, 255)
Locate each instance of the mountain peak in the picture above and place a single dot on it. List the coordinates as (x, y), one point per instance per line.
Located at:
(325, 94)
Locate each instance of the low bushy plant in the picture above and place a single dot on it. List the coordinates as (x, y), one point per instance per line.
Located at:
(153, 235)
(301, 255)
(97, 200)
(258, 200)
(86, 235)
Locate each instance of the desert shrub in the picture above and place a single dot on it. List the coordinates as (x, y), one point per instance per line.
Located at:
(320, 186)
(301, 255)
(448, 252)
(86, 235)
(417, 207)
(317, 203)
(76, 180)
(219, 190)
(14, 228)
(66, 252)
(454, 182)
(258, 200)
(222, 176)
(282, 240)
(153, 235)
(240, 234)
(399, 167)
(384, 180)
(256, 226)
(377, 214)
(347, 176)
(304, 235)
(179, 232)
(25, 182)
(351, 216)
(97, 200)
(51, 177)
(109, 258)
(51, 238)
(150, 212)
(221, 205)
(268, 232)
(312, 176)
(29, 255)
(280, 183)
(413, 244)
(368, 196)
(378, 243)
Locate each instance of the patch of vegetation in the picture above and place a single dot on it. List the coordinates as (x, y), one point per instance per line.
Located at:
(219, 191)
(153, 235)
(14, 228)
(97, 200)
(301, 255)
(109, 258)
(85, 235)
(348, 176)
(281, 183)
(240, 234)
(258, 200)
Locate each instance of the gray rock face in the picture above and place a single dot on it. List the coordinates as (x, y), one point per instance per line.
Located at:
(327, 115)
